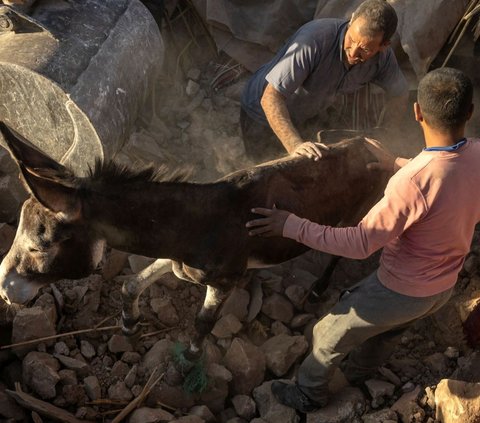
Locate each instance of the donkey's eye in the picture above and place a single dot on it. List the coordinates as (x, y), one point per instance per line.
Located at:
(41, 229)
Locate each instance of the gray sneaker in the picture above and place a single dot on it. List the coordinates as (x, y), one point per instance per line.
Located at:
(291, 396)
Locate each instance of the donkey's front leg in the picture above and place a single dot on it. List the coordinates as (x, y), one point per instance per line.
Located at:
(205, 320)
(132, 289)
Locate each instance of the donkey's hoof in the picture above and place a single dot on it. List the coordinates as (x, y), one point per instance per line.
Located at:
(131, 329)
(184, 359)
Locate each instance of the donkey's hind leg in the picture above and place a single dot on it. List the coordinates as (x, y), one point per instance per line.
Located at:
(205, 319)
(132, 289)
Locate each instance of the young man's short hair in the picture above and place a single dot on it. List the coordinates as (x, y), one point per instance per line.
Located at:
(380, 18)
(445, 97)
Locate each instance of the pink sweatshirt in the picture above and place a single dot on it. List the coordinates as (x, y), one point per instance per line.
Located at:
(424, 222)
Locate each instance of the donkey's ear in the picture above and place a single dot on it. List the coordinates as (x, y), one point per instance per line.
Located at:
(47, 180)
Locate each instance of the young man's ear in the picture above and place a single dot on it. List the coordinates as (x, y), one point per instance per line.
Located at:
(418, 112)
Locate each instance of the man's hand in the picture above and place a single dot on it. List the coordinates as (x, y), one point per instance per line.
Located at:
(270, 225)
(312, 150)
(386, 160)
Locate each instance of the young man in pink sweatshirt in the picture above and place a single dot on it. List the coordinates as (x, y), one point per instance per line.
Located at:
(425, 224)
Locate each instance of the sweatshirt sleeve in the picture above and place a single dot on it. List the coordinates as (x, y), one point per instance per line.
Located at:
(401, 206)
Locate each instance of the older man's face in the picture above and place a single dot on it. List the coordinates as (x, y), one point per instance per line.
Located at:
(358, 47)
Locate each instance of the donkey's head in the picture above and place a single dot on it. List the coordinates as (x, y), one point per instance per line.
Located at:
(52, 241)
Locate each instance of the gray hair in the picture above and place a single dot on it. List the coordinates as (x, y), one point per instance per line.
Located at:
(380, 18)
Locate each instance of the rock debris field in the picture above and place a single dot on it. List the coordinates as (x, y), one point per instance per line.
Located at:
(262, 333)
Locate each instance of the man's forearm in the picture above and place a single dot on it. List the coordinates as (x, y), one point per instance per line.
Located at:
(278, 117)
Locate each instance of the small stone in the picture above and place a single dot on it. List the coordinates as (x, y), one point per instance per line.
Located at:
(131, 357)
(68, 377)
(131, 376)
(61, 348)
(87, 349)
(92, 387)
(120, 392)
(119, 343)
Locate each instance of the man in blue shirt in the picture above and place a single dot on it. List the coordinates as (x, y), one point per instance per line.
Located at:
(325, 57)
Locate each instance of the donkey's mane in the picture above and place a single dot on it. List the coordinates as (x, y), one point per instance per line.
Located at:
(111, 172)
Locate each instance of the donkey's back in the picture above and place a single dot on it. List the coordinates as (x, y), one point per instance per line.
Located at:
(337, 189)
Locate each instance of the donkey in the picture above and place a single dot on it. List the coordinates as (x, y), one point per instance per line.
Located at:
(196, 230)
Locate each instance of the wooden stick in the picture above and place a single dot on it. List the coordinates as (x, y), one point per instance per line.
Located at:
(41, 407)
(157, 332)
(459, 23)
(49, 338)
(473, 12)
(456, 43)
(138, 400)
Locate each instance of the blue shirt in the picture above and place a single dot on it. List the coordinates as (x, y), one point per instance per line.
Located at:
(309, 71)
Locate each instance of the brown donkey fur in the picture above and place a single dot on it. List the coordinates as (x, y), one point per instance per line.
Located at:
(196, 230)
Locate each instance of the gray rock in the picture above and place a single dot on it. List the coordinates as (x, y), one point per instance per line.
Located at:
(30, 323)
(119, 391)
(78, 366)
(203, 412)
(158, 355)
(278, 328)
(119, 343)
(244, 406)
(40, 372)
(236, 304)
(247, 364)
(379, 388)
(47, 303)
(68, 377)
(189, 419)
(270, 409)
(150, 415)
(277, 307)
(282, 351)
(300, 320)
(390, 376)
(406, 406)
(131, 376)
(165, 310)
(92, 387)
(131, 357)
(217, 372)
(345, 406)
(119, 370)
(457, 401)
(381, 416)
(227, 326)
(437, 363)
(61, 348)
(87, 349)
(296, 293)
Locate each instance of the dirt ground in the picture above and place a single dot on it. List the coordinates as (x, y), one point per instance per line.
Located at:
(192, 121)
